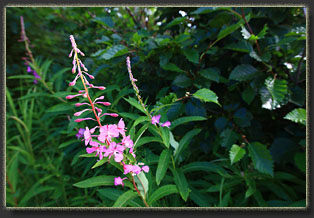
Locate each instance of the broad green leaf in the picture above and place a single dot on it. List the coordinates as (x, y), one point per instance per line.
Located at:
(114, 51)
(60, 107)
(172, 67)
(100, 162)
(199, 198)
(210, 73)
(165, 132)
(142, 183)
(278, 88)
(236, 153)
(147, 139)
(204, 166)
(261, 158)
(12, 171)
(192, 55)
(33, 192)
(185, 141)
(162, 192)
(98, 181)
(135, 104)
(203, 10)
(181, 183)
(298, 115)
(107, 21)
(243, 72)
(122, 201)
(162, 166)
(67, 143)
(182, 81)
(229, 137)
(267, 100)
(230, 29)
(206, 95)
(248, 95)
(175, 21)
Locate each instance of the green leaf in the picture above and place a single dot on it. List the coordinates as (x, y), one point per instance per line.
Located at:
(60, 107)
(97, 181)
(236, 153)
(172, 67)
(141, 183)
(298, 115)
(192, 55)
(261, 158)
(165, 132)
(300, 161)
(267, 100)
(124, 198)
(243, 72)
(173, 142)
(263, 32)
(181, 183)
(183, 120)
(100, 162)
(147, 139)
(107, 21)
(206, 95)
(199, 198)
(12, 171)
(175, 21)
(248, 95)
(162, 192)
(162, 166)
(186, 140)
(67, 143)
(114, 51)
(229, 137)
(278, 88)
(210, 73)
(182, 81)
(230, 29)
(135, 104)
(33, 192)
(204, 166)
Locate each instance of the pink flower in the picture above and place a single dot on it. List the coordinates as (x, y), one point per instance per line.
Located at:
(87, 136)
(107, 132)
(127, 168)
(119, 181)
(121, 127)
(127, 141)
(166, 124)
(82, 119)
(116, 150)
(145, 169)
(72, 96)
(155, 119)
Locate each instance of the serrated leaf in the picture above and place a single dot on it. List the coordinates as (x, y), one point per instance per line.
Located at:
(261, 158)
(162, 166)
(114, 51)
(124, 198)
(183, 120)
(243, 72)
(210, 73)
(192, 55)
(236, 153)
(181, 183)
(172, 67)
(162, 192)
(298, 115)
(206, 95)
(278, 88)
(267, 101)
(229, 137)
(230, 29)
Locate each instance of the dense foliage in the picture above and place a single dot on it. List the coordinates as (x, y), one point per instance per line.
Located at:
(231, 80)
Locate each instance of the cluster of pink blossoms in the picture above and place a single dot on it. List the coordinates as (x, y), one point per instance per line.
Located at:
(106, 143)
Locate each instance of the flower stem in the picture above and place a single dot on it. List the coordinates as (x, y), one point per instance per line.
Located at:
(139, 193)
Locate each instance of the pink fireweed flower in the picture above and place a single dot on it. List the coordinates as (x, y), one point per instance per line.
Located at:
(155, 119)
(107, 132)
(72, 96)
(145, 169)
(127, 141)
(99, 98)
(110, 114)
(87, 136)
(82, 119)
(119, 181)
(116, 150)
(166, 124)
(74, 81)
(121, 127)
(29, 69)
(103, 103)
(127, 168)
(97, 87)
(80, 104)
(80, 112)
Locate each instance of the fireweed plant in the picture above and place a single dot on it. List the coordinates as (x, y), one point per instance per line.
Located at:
(111, 143)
